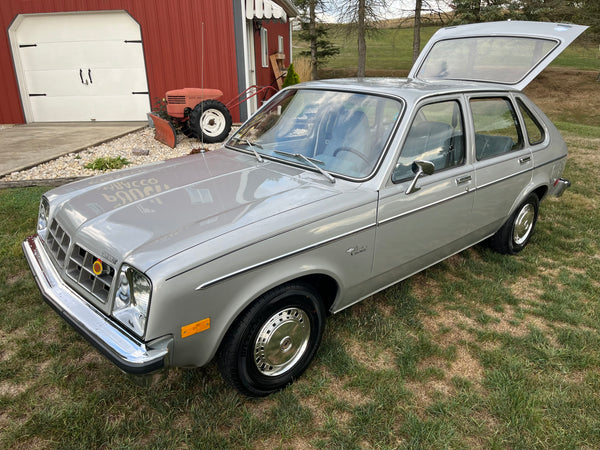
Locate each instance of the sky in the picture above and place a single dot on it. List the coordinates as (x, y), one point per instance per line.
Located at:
(396, 9)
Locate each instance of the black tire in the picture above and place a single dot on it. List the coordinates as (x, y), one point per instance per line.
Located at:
(210, 121)
(273, 341)
(516, 232)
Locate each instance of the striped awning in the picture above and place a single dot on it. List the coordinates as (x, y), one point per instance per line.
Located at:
(270, 10)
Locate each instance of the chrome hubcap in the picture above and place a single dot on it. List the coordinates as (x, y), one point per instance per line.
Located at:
(212, 122)
(523, 224)
(281, 341)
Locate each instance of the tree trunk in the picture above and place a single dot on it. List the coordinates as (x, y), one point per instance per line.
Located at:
(362, 44)
(417, 30)
(312, 27)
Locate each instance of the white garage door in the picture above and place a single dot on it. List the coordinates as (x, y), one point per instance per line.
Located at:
(80, 67)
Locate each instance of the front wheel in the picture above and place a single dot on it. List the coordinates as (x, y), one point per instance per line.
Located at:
(210, 121)
(516, 232)
(273, 342)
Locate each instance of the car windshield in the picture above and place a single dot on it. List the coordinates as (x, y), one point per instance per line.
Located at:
(343, 133)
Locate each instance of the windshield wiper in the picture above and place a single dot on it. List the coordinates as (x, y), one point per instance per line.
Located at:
(251, 145)
(313, 162)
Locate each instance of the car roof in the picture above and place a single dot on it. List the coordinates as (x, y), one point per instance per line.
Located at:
(409, 89)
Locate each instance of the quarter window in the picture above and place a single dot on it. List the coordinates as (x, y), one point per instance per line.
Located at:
(496, 127)
(436, 135)
(535, 132)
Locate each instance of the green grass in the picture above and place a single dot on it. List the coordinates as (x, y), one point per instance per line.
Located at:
(482, 350)
(390, 51)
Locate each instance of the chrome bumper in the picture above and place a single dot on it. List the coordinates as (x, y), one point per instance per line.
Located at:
(128, 353)
(559, 186)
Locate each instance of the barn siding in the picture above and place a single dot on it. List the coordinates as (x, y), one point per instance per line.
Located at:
(172, 35)
(265, 76)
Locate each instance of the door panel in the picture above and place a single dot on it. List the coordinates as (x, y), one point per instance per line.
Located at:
(418, 229)
(504, 161)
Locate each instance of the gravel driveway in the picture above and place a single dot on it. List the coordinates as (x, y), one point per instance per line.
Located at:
(138, 148)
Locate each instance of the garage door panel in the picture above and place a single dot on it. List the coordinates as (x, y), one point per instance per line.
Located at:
(61, 109)
(105, 108)
(52, 56)
(118, 82)
(55, 82)
(121, 107)
(99, 82)
(67, 27)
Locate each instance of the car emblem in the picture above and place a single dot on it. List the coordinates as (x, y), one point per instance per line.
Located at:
(97, 267)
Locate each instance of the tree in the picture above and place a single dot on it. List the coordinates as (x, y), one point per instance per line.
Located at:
(473, 11)
(432, 12)
(362, 17)
(316, 34)
(417, 30)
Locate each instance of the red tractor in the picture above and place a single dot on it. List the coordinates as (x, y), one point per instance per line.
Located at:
(201, 114)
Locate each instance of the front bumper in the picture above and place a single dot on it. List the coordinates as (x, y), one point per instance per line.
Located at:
(125, 351)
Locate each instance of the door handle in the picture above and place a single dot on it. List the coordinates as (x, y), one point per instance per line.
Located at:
(90, 76)
(81, 77)
(524, 160)
(463, 180)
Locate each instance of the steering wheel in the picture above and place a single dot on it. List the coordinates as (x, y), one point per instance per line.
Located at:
(353, 151)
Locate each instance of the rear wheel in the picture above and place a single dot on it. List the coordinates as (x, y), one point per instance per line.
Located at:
(273, 342)
(210, 121)
(516, 232)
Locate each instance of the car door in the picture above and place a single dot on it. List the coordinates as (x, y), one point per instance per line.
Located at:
(503, 161)
(416, 229)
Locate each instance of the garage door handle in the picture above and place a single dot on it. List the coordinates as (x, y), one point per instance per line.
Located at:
(81, 77)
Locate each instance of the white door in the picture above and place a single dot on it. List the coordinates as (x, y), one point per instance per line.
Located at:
(80, 67)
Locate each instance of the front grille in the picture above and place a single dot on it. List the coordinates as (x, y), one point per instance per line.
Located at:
(80, 270)
(176, 99)
(58, 242)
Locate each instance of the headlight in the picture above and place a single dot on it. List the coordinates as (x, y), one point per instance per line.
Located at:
(132, 299)
(43, 215)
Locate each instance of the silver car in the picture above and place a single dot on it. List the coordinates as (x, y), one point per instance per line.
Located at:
(332, 191)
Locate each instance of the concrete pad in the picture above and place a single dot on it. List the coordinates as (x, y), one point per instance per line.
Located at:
(26, 146)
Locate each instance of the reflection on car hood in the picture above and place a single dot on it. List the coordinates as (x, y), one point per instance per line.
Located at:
(166, 208)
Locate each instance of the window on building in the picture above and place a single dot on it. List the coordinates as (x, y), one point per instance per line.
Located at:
(264, 47)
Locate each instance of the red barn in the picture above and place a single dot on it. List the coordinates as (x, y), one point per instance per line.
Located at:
(111, 60)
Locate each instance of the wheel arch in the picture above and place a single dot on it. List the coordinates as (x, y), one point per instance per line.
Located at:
(326, 286)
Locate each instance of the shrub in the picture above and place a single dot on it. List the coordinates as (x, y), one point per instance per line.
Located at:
(291, 78)
(107, 163)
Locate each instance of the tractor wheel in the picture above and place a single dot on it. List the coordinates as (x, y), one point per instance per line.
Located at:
(210, 120)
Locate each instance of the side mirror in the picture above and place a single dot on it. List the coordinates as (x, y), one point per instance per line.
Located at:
(419, 168)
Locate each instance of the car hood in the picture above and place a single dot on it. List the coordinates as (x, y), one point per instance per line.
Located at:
(146, 215)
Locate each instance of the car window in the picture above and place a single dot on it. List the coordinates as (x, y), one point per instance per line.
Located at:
(535, 132)
(436, 135)
(498, 59)
(341, 132)
(496, 126)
